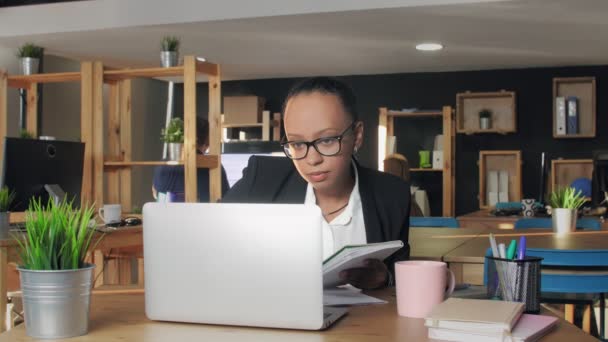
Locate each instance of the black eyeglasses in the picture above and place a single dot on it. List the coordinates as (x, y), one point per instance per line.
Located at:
(328, 146)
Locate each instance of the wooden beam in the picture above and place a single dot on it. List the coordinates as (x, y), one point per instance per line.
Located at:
(98, 144)
(190, 180)
(202, 161)
(382, 135)
(31, 124)
(3, 111)
(125, 74)
(22, 81)
(276, 127)
(215, 99)
(113, 137)
(125, 144)
(448, 162)
(207, 68)
(86, 131)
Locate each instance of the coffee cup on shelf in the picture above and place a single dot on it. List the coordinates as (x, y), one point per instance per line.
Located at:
(110, 213)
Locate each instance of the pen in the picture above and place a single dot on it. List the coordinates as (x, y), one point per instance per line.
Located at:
(511, 250)
(521, 251)
(502, 250)
(494, 246)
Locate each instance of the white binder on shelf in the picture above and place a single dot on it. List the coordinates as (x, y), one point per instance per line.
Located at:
(560, 115)
(492, 187)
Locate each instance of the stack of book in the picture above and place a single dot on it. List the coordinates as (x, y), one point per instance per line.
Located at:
(459, 319)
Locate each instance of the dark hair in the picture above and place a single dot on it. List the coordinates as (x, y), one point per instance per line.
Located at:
(202, 131)
(326, 85)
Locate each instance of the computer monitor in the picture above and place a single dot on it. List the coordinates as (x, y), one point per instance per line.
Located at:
(30, 165)
(599, 181)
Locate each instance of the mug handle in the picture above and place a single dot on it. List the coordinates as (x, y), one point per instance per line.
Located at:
(100, 212)
(451, 283)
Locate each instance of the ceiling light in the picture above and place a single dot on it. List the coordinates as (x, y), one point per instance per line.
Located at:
(429, 47)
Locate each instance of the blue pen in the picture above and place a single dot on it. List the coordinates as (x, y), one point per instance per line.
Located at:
(521, 250)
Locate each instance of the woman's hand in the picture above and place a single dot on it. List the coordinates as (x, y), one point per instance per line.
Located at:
(372, 276)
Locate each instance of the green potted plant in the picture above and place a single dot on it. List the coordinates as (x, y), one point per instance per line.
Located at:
(24, 134)
(173, 135)
(30, 56)
(485, 119)
(169, 54)
(55, 280)
(6, 198)
(564, 208)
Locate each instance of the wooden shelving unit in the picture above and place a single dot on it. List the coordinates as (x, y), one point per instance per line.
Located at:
(584, 88)
(267, 125)
(117, 162)
(565, 171)
(497, 161)
(501, 103)
(386, 128)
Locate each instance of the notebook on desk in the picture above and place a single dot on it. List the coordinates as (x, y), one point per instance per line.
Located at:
(235, 264)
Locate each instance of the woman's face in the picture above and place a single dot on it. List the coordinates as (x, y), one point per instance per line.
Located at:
(315, 115)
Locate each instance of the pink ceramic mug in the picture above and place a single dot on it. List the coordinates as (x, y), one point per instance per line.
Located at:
(421, 285)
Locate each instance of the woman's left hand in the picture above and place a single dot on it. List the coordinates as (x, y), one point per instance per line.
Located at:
(372, 276)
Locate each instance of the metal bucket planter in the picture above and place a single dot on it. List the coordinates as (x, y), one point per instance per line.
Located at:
(169, 59)
(56, 303)
(564, 220)
(175, 151)
(4, 225)
(29, 65)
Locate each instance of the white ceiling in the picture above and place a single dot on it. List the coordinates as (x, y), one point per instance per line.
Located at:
(323, 37)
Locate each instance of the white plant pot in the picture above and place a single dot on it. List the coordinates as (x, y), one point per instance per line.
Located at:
(56, 303)
(169, 59)
(175, 151)
(485, 123)
(564, 220)
(30, 65)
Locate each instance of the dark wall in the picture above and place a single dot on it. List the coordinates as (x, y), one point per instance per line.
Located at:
(534, 135)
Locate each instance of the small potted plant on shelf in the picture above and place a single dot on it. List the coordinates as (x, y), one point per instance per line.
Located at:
(169, 54)
(564, 209)
(173, 135)
(30, 56)
(56, 281)
(6, 198)
(24, 134)
(485, 119)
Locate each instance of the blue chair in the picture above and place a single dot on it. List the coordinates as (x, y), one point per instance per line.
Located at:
(545, 222)
(574, 283)
(444, 222)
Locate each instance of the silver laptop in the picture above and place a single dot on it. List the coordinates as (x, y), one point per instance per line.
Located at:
(235, 264)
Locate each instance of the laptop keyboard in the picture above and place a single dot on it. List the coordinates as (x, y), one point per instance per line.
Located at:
(326, 315)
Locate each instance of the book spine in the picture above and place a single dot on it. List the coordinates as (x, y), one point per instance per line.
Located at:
(572, 115)
(560, 115)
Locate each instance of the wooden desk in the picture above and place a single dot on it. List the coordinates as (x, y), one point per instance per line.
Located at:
(483, 219)
(466, 261)
(430, 243)
(120, 317)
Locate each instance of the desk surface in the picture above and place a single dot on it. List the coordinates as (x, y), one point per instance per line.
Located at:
(473, 250)
(429, 244)
(120, 317)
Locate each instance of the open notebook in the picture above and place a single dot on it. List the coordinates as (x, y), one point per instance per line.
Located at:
(529, 328)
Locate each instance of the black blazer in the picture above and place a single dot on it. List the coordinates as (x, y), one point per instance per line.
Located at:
(385, 198)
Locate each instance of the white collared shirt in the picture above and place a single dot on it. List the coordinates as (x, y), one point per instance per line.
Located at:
(348, 228)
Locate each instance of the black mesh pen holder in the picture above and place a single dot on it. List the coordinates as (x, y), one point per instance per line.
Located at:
(515, 281)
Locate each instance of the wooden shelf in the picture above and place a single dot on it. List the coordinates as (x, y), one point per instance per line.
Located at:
(206, 161)
(398, 114)
(22, 81)
(386, 128)
(502, 105)
(123, 74)
(583, 88)
(242, 125)
(509, 161)
(425, 170)
(565, 171)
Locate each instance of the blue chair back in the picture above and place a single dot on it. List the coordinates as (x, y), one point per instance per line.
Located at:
(544, 222)
(444, 222)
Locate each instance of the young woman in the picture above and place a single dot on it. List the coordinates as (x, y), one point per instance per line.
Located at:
(359, 205)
